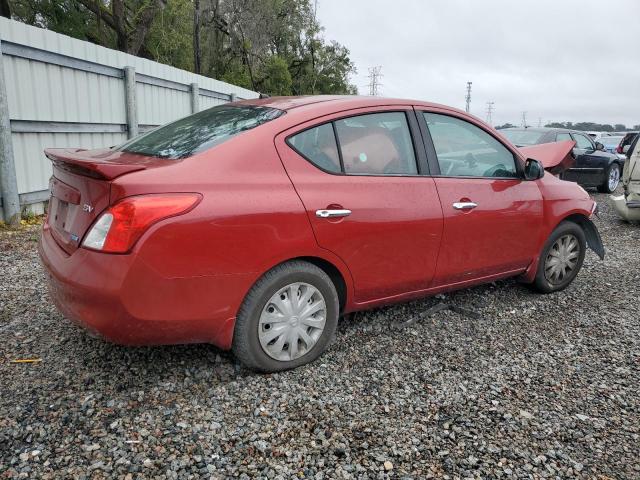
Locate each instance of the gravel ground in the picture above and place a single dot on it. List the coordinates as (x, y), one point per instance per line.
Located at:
(539, 386)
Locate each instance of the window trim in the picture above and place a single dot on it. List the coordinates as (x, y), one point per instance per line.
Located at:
(433, 156)
(419, 152)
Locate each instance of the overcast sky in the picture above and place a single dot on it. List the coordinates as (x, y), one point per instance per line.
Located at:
(558, 60)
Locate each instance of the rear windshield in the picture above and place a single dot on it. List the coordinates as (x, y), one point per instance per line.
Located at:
(200, 131)
(522, 137)
(611, 141)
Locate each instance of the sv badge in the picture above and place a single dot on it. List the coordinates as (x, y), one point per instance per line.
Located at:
(87, 208)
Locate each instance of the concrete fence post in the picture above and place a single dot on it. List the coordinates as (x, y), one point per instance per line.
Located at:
(8, 180)
(195, 98)
(131, 106)
(232, 97)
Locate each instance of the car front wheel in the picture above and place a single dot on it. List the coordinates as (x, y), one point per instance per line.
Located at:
(561, 258)
(612, 179)
(287, 319)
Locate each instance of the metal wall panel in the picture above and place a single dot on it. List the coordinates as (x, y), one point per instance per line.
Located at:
(74, 81)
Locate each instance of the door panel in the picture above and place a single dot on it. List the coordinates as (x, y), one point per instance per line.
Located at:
(500, 234)
(390, 238)
(492, 217)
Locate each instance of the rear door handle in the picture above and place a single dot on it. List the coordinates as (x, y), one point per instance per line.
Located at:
(332, 213)
(464, 205)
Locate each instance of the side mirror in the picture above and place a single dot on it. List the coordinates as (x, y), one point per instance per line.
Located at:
(533, 169)
(599, 146)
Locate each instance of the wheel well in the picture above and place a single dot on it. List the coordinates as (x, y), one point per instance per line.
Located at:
(590, 232)
(334, 274)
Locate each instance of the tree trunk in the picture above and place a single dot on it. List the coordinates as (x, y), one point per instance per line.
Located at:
(197, 59)
(5, 10)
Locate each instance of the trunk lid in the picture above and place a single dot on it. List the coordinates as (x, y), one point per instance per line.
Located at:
(80, 188)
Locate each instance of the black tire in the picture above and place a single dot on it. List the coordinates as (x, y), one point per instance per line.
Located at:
(604, 188)
(541, 283)
(246, 343)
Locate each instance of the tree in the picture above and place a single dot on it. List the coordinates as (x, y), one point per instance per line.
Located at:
(619, 127)
(5, 10)
(274, 46)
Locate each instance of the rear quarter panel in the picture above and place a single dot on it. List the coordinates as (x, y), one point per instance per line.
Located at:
(249, 220)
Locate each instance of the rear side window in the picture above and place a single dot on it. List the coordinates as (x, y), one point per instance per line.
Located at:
(464, 150)
(561, 137)
(370, 144)
(318, 145)
(378, 143)
(200, 131)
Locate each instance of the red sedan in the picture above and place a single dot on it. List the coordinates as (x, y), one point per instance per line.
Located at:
(255, 225)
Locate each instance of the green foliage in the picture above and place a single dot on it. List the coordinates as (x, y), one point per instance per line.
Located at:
(273, 46)
(170, 38)
(277, 79)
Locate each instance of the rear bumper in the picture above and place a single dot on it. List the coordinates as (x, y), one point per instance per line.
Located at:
(125, 301)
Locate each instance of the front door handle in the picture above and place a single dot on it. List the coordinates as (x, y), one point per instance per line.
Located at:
(464, 205)
(332, 213)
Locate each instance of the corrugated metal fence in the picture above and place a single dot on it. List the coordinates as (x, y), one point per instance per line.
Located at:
(63, 92)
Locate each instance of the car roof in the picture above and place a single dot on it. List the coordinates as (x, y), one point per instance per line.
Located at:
(343, 101)
(545, 130)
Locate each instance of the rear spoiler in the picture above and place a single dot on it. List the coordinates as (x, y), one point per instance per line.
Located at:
(556, 157)
(104, 164)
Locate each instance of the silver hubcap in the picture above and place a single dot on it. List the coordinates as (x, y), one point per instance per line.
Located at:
(562, 259)
(614, 178)
(292, 321)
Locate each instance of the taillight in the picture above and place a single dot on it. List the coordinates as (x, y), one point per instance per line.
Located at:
(119, 227)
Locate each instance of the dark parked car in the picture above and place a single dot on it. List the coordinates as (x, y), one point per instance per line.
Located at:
(594, 167)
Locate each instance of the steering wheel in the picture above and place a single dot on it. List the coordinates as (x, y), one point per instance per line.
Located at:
(500, 168)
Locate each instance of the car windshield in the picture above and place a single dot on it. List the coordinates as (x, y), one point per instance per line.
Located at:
(200, 131)
(523, 137)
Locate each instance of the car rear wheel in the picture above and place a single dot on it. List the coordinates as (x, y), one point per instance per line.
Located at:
(561, 258)
(612, 179)
(287, 319)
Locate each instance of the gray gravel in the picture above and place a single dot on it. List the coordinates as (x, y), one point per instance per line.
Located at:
(539, 386)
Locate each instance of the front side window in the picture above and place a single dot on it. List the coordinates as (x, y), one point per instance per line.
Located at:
(464, 150)
(582, 142)
(376, 143)
(200, 131)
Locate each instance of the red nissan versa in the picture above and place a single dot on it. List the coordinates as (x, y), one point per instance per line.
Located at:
(255, 225)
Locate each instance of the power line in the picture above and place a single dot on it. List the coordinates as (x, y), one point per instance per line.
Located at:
(375, 74)
(490, 112)
(468, 97)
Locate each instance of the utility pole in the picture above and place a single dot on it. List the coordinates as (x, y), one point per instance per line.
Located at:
(524, 120)
(490, 112)
(468, 97)
(375, 74)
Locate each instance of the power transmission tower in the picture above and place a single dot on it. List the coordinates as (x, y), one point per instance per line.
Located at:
(375, 74)
(490, 112)
(524, 119)
(539, 122)
(468, 97)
